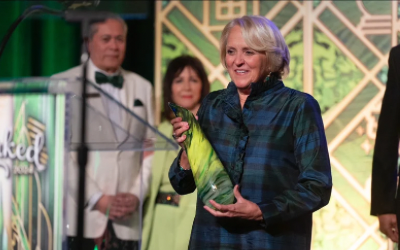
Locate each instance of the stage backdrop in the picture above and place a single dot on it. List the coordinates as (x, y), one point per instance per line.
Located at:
(339, 52)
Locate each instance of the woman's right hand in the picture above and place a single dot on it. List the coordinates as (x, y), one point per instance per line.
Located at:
(179, 127)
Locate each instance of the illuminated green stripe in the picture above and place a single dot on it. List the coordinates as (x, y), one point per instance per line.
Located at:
(59, 170)
(21, 231)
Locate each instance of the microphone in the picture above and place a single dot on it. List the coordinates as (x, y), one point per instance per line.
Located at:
(74, 4)
(83, 15)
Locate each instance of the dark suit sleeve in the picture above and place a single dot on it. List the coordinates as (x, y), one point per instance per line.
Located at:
(384, 166)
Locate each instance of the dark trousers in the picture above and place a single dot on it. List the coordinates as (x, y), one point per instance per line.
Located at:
(113, 242)
(397, 205)
(87, 244)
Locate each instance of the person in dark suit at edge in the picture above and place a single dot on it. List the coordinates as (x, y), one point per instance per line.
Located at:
(384, 203)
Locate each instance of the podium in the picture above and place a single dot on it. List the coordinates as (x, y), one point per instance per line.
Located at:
(39, 135)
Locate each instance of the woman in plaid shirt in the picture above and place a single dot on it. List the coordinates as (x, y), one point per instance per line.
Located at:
(271, 141)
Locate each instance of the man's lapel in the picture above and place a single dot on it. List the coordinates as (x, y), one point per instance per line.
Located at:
(126, 99)
(94, 99)
(98, 110)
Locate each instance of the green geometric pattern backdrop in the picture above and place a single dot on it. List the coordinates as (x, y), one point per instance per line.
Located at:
(339, 52)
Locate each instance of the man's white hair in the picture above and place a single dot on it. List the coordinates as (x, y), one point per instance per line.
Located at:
(93, 28)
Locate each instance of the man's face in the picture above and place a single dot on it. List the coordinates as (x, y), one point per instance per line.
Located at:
(107, 47)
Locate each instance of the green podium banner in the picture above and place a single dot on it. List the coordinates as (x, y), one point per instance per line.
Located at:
(39, 133)
(32, 160)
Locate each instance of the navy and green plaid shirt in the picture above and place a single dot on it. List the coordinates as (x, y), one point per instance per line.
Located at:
(276, 150)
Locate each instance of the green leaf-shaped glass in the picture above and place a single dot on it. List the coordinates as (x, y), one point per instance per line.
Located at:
(212, 180)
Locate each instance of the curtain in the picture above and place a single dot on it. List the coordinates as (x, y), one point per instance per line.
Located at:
(41, 45)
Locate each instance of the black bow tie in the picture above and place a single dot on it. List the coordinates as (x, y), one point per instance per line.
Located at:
(117, 80)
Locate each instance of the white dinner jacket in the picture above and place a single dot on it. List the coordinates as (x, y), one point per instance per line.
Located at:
(109, 172)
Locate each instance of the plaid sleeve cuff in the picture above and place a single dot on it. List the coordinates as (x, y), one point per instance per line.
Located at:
(181, 180)
(270, 213)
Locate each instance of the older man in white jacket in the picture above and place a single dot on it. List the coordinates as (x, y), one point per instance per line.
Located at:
(113, 178)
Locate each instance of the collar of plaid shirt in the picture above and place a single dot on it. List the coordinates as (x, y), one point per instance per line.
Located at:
(258, 89)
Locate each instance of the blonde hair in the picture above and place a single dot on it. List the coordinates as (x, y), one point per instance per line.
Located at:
(261, 35)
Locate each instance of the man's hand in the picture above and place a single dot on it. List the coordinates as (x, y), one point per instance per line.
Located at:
(388, 226)
(243, 208)
(119, 206)
(104, 203)
(125, 204)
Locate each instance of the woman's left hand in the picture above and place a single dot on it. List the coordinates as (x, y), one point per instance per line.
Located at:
(243, 208)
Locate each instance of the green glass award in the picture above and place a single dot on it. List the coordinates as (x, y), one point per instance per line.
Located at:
(212, 180)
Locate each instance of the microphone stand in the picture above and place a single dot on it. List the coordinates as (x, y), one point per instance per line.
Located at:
(85, 18)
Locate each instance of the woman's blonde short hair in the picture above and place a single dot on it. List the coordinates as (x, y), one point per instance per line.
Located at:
(261, 35)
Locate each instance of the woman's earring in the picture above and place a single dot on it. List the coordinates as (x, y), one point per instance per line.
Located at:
(269, 74)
